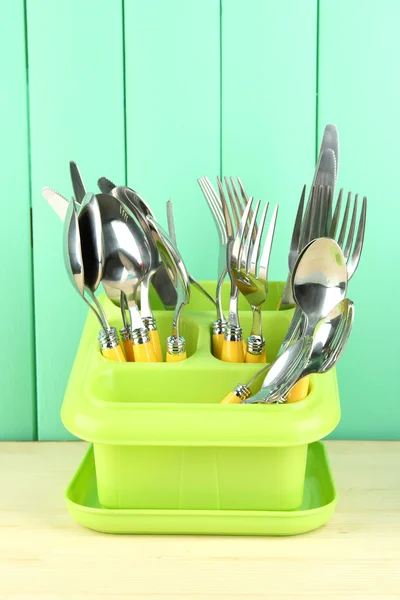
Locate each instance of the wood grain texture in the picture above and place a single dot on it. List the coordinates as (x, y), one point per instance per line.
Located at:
(17, 397)
(268, 106)
(77, 113)
(172, 52)
(44, 554)
(359, 90)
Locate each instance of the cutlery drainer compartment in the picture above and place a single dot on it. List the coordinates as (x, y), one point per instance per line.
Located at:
(162, 440)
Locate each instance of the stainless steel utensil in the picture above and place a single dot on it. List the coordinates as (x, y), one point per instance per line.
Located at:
(175, 267)
(108, 336)
(127, 260)
(129, 198)
(330, 140)
(214, 204)
(319, 281)
(251, 279)
(330, 339)
(304, 230)
(105, 185)
(59, 204)
(172, 235)
(351, 249)
(283, 373)
(91, 234)
(160, 279)
(77, 182)
(242, 391)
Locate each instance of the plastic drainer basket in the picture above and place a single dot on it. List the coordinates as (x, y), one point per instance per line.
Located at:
(163, 442)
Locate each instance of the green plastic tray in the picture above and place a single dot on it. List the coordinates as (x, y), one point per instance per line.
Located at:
(317, 508)
(163, 441)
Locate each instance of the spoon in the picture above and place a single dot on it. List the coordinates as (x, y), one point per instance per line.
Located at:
(74, 264)
(126, 263)
(319, 281)
(283, 373)
(160, 280)
(129, 198)
(149, 323)
(329, 342)
(175, 267)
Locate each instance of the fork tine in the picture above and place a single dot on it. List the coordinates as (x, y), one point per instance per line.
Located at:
(328, 216)
(242, 190)
(239, 238)
(239, 203)
(232, 203)
(264, 262)
(321, 210)
(352, 264)
(227, 216)
(252, 266)
(350, 237)
(245, 200)
(314, 218)
(214, 205)
(247, 253)
(238, 200)
(343, 228)
(216, 208)
(335, 218)
(295, 241)
(306, 222)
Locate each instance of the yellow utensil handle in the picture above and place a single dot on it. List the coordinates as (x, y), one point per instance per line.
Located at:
(300, 390)
(255, 358)
(217, 343)
(231, 398)
(175, 357)
(144, 352)
(128, 347)
(116, 354)
(155, 340)
(233, 351)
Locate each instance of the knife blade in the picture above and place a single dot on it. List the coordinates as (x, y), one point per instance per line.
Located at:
(330, 141)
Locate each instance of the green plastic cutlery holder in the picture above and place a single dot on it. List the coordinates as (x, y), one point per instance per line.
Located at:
(161, 438)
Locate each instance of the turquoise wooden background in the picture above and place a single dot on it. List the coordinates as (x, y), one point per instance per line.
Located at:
(159, 93)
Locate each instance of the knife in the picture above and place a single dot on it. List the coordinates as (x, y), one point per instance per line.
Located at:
(330, 141)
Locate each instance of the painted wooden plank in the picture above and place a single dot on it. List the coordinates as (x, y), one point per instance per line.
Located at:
(268, 105)
(173, 115)
(17, 398)
(359, 90)
(77, 112)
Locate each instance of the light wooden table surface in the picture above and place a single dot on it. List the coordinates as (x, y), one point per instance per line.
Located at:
(44, 555)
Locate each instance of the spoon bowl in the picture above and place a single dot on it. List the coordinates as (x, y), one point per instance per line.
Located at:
(319, 281)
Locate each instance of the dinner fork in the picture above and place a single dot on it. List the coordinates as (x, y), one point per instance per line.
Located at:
(237, 202)
(314, 224)
(250, 272)
(325, 176)
(352, 248)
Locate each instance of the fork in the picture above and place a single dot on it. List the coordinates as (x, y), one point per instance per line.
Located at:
(214, 202)
(325, 175)
(313, 224)
(351, 248)
(172, 235)
(250, 272)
